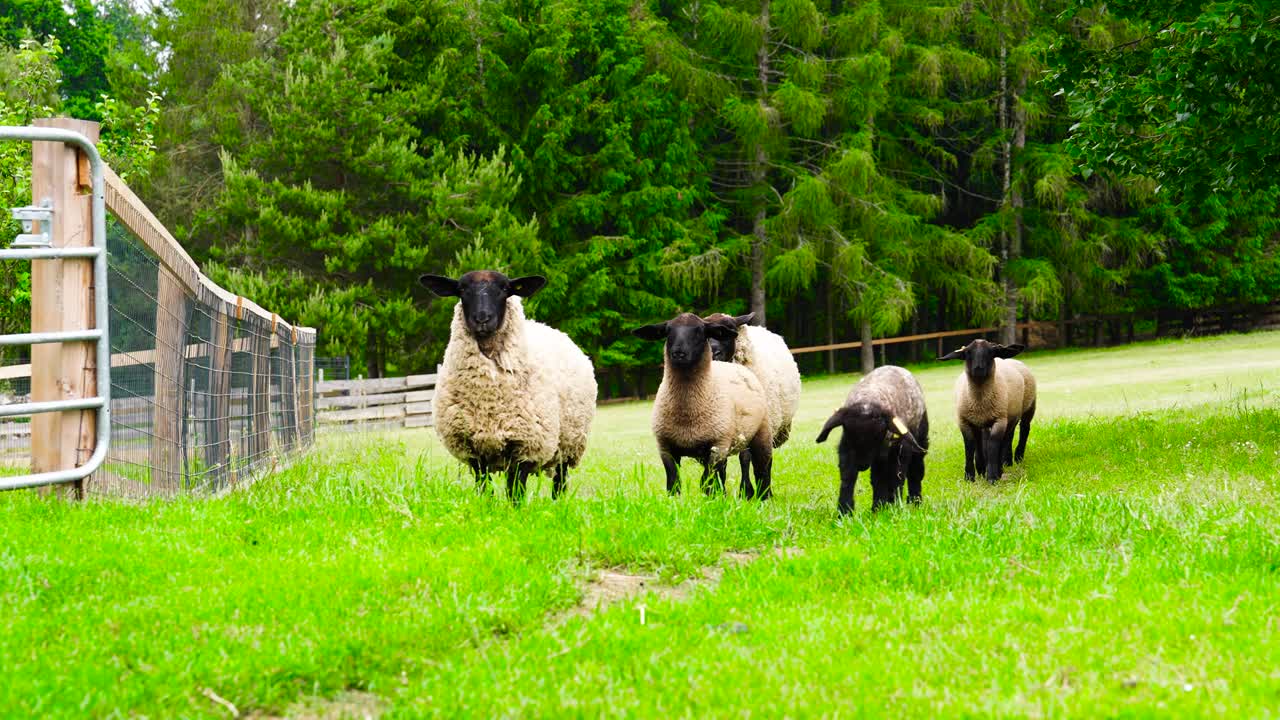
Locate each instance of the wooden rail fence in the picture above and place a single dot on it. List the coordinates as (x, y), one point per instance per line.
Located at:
(381, 402)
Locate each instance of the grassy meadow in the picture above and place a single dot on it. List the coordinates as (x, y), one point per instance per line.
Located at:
(1130, 568)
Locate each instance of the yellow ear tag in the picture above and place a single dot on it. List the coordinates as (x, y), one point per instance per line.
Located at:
(901, 426)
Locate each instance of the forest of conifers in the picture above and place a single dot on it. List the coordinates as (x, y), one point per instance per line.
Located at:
(846, 169)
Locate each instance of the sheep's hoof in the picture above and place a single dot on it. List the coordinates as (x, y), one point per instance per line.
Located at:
(970, 477)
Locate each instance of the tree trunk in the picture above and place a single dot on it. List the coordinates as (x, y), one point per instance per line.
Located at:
(372, 361)
(759, 174)
(868, 352)
(831, 331)
(914, 349)
(1062, 326)
(1006, 169)
(1015, 197)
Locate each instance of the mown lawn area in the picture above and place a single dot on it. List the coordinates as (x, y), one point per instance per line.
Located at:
(1131, 568)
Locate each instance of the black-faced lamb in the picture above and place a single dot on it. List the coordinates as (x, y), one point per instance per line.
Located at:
(767, 356)
(886, 429)
(513, 395)
(706, 409)
(991, 401)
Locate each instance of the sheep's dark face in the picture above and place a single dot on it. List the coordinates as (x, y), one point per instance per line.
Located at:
(484, 296)
(723, 350)
(865, 428)
(871, 433)
(686, 337)
(980, 358)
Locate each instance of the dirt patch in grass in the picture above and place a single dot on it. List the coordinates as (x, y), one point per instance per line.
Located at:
(349, 705)
(615, 585)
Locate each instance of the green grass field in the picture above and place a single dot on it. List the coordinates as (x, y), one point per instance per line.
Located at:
(1131, 568)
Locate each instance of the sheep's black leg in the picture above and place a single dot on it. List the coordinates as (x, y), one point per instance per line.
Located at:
(560, 480)
(848, 479)
(744, 459)
(915, 471)
(994, 449)
(884, 483)
(1026, 430)
(762, 459)
(517, 481)
(671, 464)
(1006, 452)
(915, 476)
(971, 439)
(481, 472)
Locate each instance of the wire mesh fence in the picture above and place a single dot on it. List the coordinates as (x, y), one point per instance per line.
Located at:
(333, 368)
(208, 390)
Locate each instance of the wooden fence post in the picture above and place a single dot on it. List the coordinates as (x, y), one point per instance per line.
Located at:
(170, 361)
(295, 403)
(261, 393)
(218, 449)
(62, 299)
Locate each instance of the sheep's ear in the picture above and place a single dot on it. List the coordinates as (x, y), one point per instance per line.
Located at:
(744, 319)
(720, 332)
(440, 285)
(656, 331)
(1008, 351)
(527, 285)
(836, 420)
(955, 354)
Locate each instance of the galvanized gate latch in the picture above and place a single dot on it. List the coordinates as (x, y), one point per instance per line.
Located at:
(43, 214)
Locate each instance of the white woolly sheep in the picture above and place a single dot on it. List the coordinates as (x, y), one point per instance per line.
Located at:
(990, 403)
(766, 354)
(707, 409)
(513, 395)
(886, 428)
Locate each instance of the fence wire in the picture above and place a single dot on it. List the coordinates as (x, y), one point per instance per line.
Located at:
(203, 397)
(333, 368)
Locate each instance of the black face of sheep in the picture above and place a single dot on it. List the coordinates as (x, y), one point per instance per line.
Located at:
(875, 439)
(980, 357)
(723, 350)
(687, 337)
(484, 296)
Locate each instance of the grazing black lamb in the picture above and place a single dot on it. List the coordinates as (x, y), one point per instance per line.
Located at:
(886, 428)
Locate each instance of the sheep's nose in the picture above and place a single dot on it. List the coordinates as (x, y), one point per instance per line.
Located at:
(678, 355)
(483, 317)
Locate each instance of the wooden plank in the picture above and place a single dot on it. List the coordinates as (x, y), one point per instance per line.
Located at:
(912, 338)
(419, 421)
(419, 396)
(355, 401)
(373, 386)
(126, 359)
(15, 430)
(62, 299)
(171, 334)
(385, 412)
(421, 408)
(134, 215)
